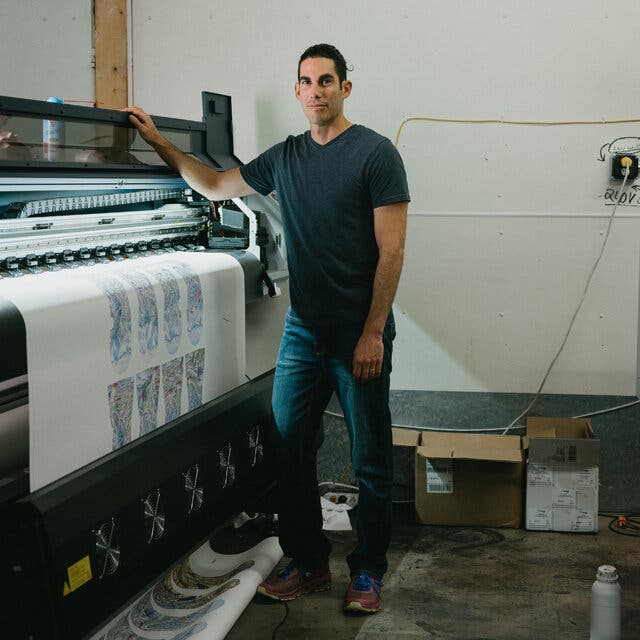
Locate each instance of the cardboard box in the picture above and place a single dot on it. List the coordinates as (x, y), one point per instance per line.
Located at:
(469, 479)
(563, 459)
(405, 437)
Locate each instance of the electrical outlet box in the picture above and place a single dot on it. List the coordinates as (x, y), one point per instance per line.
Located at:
(617, 168)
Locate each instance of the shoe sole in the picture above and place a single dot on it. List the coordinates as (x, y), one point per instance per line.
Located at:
(359, 608)
(287, 598)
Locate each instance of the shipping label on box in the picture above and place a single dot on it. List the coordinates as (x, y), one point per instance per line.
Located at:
(583, 521)
(581, 481)
(540, 518)
(539, 510)
(439, 475)
(584, 478)
(563, 497)
(574, 520)
(540, 475)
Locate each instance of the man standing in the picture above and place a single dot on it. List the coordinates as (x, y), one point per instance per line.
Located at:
(343, 195)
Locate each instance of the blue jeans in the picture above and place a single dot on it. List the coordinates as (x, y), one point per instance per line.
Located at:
(312, 364)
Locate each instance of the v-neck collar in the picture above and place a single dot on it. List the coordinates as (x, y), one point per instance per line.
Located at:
(317, 145)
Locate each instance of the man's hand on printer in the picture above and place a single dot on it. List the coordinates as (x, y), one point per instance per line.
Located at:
(144, 124)
(10, 147)
(7, 139)
(203, 178)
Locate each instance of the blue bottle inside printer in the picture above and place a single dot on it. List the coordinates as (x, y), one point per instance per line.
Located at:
(52, 136)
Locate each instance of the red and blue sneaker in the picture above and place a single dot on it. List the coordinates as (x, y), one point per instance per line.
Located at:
(293, 582)
(364, 594)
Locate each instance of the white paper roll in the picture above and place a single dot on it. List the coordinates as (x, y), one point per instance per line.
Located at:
(171, 611)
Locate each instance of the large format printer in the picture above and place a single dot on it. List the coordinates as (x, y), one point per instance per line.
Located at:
(79, 187)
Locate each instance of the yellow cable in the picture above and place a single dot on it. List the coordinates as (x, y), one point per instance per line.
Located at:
(515, 122)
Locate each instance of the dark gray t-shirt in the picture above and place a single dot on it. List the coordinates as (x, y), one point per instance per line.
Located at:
(327, 194)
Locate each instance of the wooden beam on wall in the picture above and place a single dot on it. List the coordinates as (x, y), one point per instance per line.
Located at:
(110, 41)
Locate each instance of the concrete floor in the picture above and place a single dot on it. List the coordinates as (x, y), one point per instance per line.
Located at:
(452, 583)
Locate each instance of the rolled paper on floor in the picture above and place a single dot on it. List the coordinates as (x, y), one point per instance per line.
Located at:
(205, 593)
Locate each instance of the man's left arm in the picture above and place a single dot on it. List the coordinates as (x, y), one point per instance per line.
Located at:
(390, 225)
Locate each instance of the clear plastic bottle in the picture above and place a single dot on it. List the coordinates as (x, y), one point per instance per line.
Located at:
(52, 135)
(605, 605)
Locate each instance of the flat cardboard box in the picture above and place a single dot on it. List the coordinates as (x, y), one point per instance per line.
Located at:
(562, 475)
(469, 479)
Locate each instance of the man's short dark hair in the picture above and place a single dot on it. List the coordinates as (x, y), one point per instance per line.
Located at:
(326, 51)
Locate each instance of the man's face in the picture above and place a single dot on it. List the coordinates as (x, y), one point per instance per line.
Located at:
(319, 92)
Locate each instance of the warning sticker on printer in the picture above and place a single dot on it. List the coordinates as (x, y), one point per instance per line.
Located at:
(77, 574)
(439, 475)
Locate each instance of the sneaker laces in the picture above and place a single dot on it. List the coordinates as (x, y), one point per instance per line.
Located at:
(290, 568)
(364, 582)
(287, 571)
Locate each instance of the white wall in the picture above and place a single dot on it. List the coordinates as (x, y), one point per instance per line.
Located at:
(45, 49)
(506, 221)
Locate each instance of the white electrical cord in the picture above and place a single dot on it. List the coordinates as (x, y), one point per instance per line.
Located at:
(575, 313)
(443, 429)
(597, 413)
(337, 484)
(485, 430)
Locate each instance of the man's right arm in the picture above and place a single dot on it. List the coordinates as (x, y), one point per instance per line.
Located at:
(212, 184)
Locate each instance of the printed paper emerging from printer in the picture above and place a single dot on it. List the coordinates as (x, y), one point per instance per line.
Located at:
(84, 370)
